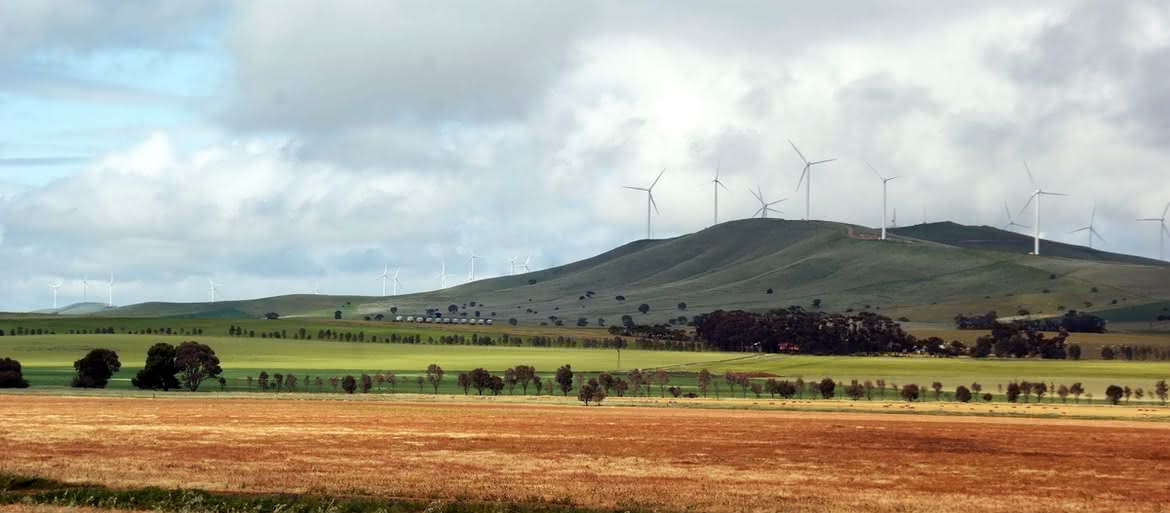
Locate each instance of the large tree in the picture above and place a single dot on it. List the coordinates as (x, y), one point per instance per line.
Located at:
(95, 369)
(524, 375)
(11, 374)
(591, 391)
(196, 362)
(564, 379)
(481, 379)
(159, 371)
(435, 376)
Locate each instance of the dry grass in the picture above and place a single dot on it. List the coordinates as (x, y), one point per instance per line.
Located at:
(671, 458)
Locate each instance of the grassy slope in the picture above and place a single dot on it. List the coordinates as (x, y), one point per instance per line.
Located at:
(732, 265)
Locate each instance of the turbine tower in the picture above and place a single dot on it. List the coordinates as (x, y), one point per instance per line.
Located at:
(765, 206)
(317, 287)
(1011, 221)
(885, 182)
(111, 289)
(213, 288)
(894, 220)
(385, 276)
(1162, 231)
(1091, 229)
(54, 287)
(471, 261)
(84, 289)
(649, 199)
(442, 276)
(806, 179)
(716, 184)
(394, 280)
(1035, 197)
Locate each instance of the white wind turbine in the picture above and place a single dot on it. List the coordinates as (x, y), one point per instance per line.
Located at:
(54, 287)
(649, 200)
(765, 206)
(111, 289)
(213, 288)
(885, 182)
(1035, 197)
(84, 289)
(806, 179)
(471, 261)
(317, 287)
(512, 265)
(527, 259)
(716, 184)
(1162, 231)
(394, 280)
(1011, 221)
(894, 220)
(385, 277)
(442, 276)
(1091, 228)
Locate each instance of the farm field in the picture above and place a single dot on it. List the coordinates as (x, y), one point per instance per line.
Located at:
(48, 361)
(675, 459)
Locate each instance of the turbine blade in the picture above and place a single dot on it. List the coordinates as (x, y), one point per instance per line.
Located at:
(1030, 177)
(821, 162)
(1078, 230)
(1008, 212)
(1150, 219)
(1098, 234)
(801, 181)
(1165, 210)
(778, 201)
(1046, 193)
(757, 195)
(892, 178)
(758, 212)
(635, 188)
(654, 204)
(659, 178)
(802, 159)
(1030, 198)
(721, 185)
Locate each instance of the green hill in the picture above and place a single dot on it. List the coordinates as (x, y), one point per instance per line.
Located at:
(926, 273)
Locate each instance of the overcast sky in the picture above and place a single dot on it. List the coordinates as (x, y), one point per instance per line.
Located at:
(273, 144)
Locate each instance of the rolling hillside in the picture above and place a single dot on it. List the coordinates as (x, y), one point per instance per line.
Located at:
(927, 273)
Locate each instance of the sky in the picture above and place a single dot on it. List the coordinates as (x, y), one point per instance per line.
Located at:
(277, 147)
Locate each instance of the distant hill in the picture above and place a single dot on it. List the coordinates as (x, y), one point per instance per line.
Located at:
(76, 309)
(994, 239)
(927, 273)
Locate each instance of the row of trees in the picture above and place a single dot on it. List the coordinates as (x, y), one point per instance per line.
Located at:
(166, 366)
(1072, 321)
(99, 330)
(796, 330)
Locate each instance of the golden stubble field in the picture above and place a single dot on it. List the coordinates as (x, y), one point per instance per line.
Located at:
(670, 459)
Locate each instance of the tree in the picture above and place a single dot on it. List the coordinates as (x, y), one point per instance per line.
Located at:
(682, 307)
(512, 321)
(537, 383)
(524, 375)
(704, 381)
(481, 379)
(420, 381)
(644, 308)
(196, 362)
(435, 376)
(606, 381)
(452, 308)
(1076, 389)
(365, 383)
(95, 369)
(1161, 391)
(463, 381)
(827, 388)
(786, 389)
(337, 315)
(1039, 389)
(1074, 352)
(262, 381)
(496, 385)
(1114, 393)
(1063, 392)
(591, 391)
(348, 384)
(937, 389)
(11, 374)
(564, 379)
(272, 316)
(620, 386)
(910, 393)
(1013, 392)
(963, 394)
(855, 390)
(510, 379)
(816, 304)
(159, 371)
(661, 378)
(1107, 353)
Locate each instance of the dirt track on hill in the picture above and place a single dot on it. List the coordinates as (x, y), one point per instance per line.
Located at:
(665, 458)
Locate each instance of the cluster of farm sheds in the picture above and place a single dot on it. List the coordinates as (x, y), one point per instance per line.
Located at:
(441, 320)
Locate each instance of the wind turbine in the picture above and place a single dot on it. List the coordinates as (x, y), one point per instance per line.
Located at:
(84, 288)
(442, 276)
(512, 265)
(394, 279)
(765, 206)
(1035, 197)
(807, 182)
(1091, 229)
(716, 184)
(885, 182)
(525, 264)
(317, 287)
(471, 274)
(1162, 233)
(385, 276)
(213, 288)
(54, 287)
(111, 288)
(1011, 221)
(894, 220)
(649, 199)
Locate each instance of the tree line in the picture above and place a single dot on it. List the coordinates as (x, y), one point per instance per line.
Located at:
(796, 330)
(1071, 322)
